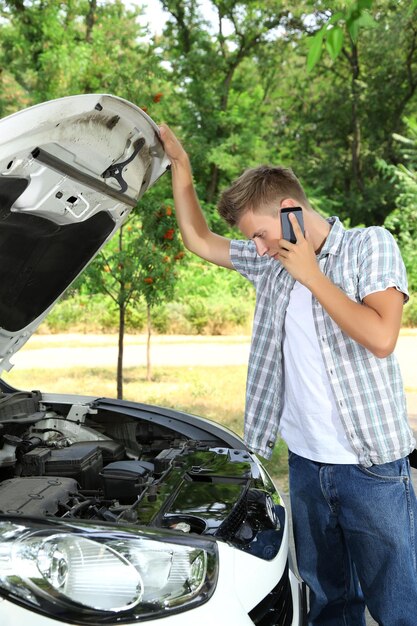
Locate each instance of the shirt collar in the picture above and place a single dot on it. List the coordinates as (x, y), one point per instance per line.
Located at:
(334, 238)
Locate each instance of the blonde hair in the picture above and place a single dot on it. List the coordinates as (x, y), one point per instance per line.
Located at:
(258, 188)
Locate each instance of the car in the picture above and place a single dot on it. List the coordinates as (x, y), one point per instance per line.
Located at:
(111, 511)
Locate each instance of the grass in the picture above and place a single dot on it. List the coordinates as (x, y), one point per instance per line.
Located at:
(213, 392)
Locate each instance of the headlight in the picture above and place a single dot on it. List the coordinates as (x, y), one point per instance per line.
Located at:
(85, 574)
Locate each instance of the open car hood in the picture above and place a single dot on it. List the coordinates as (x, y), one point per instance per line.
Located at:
(71, 170)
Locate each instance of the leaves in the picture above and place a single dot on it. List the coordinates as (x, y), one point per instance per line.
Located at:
(341, 23)
(315, 49)
(364, 4)
(334, 41)
(402, 221)
(158, 250)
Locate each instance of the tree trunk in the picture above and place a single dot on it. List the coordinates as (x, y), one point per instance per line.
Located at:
(148, 345)
(122, 311)
(356, 125)
(90, 20)
(213, 183)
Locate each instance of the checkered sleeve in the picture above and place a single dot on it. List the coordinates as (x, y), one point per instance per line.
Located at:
(380, 264)
(246, 260)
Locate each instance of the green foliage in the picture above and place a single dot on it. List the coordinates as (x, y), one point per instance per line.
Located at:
(114, 271)
(158, 250)
(53, 49)
(237, 90)
(197, 278)
(341, 24)
(222, 73)
(217, 317)
(91, 314)
(242, 98)
(402, 221)
(200, 316)
(203, 316)
(410, 312)
(208, 300)
(340, 119)
(139, 263)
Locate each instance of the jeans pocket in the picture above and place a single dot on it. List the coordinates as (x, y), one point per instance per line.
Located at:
(393, 471)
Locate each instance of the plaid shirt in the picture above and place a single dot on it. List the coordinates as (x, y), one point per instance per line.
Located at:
(368, 390)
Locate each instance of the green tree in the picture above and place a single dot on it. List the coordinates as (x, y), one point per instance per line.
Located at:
(158, 251)
(141, 261)
(339, 119)
(241, 95)
(340, 22)
(402, 221)
(54, 48)
(116, 273)
(215, 70)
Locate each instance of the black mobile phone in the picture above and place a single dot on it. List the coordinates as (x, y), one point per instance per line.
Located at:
(287, 229)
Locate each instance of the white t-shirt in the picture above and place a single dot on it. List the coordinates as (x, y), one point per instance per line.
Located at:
(310, 423)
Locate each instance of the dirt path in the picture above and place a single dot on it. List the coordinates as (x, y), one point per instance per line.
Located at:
(91, 351)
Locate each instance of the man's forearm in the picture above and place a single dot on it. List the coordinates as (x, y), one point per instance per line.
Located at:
(191, 220)
(196, 235)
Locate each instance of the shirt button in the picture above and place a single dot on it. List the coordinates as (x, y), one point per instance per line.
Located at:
(270, 444)
(331, 372)
(340, 403)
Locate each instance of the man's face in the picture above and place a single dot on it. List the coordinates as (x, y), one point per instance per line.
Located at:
(264, 229)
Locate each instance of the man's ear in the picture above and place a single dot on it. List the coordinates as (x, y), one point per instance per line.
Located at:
(287, 203)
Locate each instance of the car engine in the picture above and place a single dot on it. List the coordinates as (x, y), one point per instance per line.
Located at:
(99, 466)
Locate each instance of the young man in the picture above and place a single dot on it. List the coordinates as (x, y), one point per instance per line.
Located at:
(322, 374)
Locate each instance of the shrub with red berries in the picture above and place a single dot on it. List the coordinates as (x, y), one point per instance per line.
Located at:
(159, 249)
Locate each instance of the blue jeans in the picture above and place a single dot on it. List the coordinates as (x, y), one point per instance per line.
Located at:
(355, 531)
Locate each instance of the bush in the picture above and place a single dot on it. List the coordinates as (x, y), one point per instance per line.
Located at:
(81, 313)
(99, 314)
(209, 300)
(197, 314)
(202, 316)
(89, 314)
(177, 322)
(410, 312)
(208, 316)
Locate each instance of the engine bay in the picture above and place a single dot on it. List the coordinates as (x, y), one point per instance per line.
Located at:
(87, 463)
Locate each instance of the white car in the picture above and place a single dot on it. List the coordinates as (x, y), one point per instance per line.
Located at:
(114, 512)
